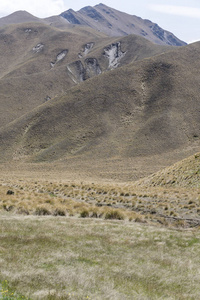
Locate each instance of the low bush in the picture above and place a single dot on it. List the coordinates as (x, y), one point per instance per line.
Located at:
(114, 214)
(42, 211)
(84, 214)
(59, 212)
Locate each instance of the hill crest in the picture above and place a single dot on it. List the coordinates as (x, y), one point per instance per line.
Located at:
(20, 16)
(115, 23)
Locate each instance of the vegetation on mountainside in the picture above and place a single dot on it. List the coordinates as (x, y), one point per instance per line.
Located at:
(185, 173)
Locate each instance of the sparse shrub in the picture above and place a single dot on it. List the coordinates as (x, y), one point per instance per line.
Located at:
(114, 214)
(10, 192)
(42, 211)
(59, 212)
(84, 214)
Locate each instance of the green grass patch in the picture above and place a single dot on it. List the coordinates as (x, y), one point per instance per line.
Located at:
(6, 293)
(50, 258)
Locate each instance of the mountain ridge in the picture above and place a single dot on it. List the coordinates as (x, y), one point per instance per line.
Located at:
(103, 19)
(73, 97)
(18, 17)
(116, 23)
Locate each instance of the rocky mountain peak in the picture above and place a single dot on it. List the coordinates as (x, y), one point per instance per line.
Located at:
(115, 23)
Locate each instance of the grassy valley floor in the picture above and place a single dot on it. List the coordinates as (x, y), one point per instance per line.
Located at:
(63, 239)
(161, 205)
(73, 258)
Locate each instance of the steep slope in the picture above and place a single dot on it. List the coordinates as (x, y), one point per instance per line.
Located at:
(58, 22)
(185, 173)
(116, 23)
(27, 76)
(150, 107)
(39, 62)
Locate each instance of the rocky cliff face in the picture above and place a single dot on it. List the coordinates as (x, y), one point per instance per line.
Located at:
(114, 54)
(81, 71)
(116, 23)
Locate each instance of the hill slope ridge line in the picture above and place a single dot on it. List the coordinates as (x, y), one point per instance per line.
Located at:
(117, 23)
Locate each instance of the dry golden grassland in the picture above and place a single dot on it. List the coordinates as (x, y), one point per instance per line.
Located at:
(179, 207)
(80, 200)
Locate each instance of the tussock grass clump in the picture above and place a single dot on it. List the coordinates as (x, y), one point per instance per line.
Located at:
(114, 214)
(59, 212)
(42, 211)
(84, 214)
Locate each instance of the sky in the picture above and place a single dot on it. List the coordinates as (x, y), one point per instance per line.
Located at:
(182, 17)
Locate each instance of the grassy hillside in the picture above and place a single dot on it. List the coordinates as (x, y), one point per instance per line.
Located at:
(39, 62)
(137, 110)
(185, 173)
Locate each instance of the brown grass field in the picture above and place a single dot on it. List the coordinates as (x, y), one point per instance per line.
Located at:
(63, 239)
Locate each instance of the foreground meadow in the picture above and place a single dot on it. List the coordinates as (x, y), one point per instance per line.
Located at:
(47, 257)
(94, 240)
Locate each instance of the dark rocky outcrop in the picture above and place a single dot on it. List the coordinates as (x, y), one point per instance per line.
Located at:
(80, 71)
